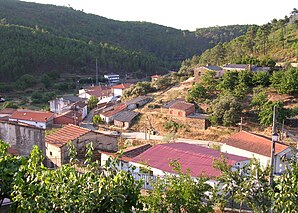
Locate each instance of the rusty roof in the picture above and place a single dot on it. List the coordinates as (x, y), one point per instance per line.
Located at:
(28, 115)
(194, 157)
(254, 143)
(181, 105)
(66, 134)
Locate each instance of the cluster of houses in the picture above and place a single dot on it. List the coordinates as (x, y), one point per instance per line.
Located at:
(219, 71)
(149, 162)
(24, 129)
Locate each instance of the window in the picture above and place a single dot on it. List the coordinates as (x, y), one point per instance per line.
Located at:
(51, 153)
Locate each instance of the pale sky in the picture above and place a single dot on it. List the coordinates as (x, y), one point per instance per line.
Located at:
(184, 14)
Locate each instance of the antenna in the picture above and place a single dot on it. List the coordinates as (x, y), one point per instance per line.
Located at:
(96, 74)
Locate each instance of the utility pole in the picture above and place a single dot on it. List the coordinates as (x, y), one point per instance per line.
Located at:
(96, 74)
(274, 139)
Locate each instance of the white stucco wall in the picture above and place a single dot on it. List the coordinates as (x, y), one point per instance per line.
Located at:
(264, 160)
(117, 92)
(42, 125)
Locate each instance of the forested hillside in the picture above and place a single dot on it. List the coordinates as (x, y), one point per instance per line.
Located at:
(277, 40)
(35, 51)
(64, 39)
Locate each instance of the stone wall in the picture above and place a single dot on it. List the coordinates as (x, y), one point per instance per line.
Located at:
(22, 137)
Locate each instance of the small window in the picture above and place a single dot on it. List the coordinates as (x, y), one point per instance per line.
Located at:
(51, 153)
(199, 73)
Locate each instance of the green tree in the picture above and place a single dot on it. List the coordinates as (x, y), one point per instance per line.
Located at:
(9, 104)
(226, 110)
(9, 166)
(178, 193)
(196, 93)
(39, 189)
(246, 185)
(92, 102)
(228, 81)
(25, 81)
(259, 98)
(46, 80)
(97, 119)
(209, 81)
(261, 79)
(286, 191)
(266, 113)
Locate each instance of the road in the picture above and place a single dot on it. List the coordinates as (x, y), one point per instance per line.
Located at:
(87, 122)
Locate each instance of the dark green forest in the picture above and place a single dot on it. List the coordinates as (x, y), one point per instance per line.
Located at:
(37, 38)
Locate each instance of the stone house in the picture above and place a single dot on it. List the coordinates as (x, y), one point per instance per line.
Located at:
(181, 109)
(200, 71)
(22, 137)
(35, 118)
(124, 119)
(60, 105)
(108, 114)
(137, 102)
(56, 144)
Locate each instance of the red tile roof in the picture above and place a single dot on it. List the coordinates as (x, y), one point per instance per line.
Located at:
(196, 158)
(65, 135)
(155, 76)
(253, 143)
(114, 111)
(122, 86)
(181, 105)
(99, 91)
(37, 116)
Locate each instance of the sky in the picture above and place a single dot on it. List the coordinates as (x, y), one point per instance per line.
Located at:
(184, 14)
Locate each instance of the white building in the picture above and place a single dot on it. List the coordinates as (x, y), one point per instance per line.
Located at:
(252, 145)
(34, 118)
(112, 78)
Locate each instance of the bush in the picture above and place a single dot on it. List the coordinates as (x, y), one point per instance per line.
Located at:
(25, 81)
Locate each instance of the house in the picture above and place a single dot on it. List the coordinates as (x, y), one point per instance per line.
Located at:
(99, 92)
(58, 105)
(237, 67)
(56, 143)
(252, 145)
(260, 69)
(68, 117)
(181, 109)
(155, 77)
(109, 113)
(35, 118)
(124, 119)
(106, 102)
(199, 160)
(112, 78)
(22, 137)
(137, 102)
(119, 89)
(200, 71)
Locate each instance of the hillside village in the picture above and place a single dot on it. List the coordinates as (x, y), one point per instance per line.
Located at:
(201, 124)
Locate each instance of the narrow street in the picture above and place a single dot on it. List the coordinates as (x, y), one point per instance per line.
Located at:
(87, 123)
